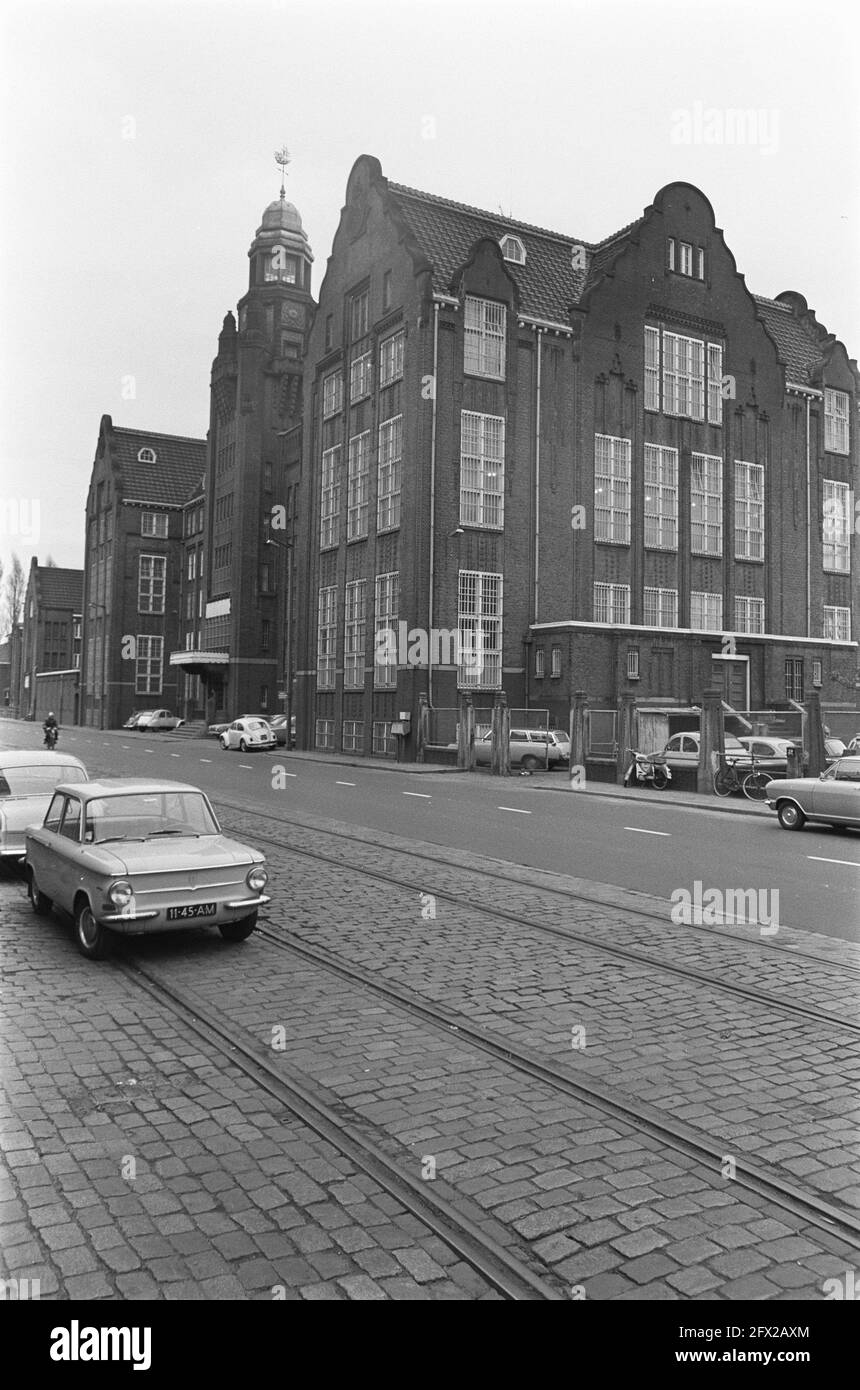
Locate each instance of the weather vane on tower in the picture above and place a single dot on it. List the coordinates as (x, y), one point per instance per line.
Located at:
(282, 157)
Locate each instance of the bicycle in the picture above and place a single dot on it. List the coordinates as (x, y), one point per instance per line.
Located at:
(752, 783)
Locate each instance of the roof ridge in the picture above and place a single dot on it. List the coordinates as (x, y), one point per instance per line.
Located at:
(774, 303)
(499, 217)
(158, 434)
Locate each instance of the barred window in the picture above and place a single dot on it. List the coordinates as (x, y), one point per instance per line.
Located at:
(352, 736)
(324, 735)
(152, 570)
(327, 638)
(794, 678)
(360, 376)
(386, 605)
(354, 635)
(749, 511)
(612, 603)
(388, 474)
(661, 497)
(661, 607)
(540, 663)
(836, 433)
(706, 504)
(149, 654)
(154, 524)
(332, 394)
(706, 611)
(836, 527)
(482, 469)
(715, 384)
(652, 365)
(391, 358)
(633, 663)
(485, 327)
(749, 614)
(480, 630)
(837, 624)
(611, 489)
(555, 662)
(358, 486)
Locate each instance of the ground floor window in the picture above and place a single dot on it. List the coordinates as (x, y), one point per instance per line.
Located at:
(794, 679)
(324, 739)
(384, 744)
(353, 736)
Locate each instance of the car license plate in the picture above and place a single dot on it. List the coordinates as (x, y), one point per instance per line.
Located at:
(174, 914)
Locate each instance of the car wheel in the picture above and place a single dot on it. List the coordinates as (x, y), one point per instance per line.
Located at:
(238, 931)
(661, 779)
(243, 747)
(790, 816)
(92, 938)
(529, 763)
(39, 903)
(224, 743)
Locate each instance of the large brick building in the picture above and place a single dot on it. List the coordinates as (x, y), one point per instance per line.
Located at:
(608, 468)
(238, 650)
(134, 553)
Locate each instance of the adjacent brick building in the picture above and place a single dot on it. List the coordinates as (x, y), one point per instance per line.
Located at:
(134, 552)
(605, 467)
(48, 673)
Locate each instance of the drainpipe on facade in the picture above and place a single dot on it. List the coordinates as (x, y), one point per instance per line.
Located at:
(538, 336)
(432, 571)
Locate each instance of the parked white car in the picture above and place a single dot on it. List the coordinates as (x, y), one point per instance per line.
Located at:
(248, 735)
(833, 797)
(528, 749)
(27, 782)
(682, 750)
(152, 720)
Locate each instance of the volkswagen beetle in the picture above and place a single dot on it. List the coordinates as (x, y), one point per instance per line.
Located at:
(135, 856)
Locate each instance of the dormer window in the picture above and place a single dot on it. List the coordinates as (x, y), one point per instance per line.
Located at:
(513, 250)
(146, 456)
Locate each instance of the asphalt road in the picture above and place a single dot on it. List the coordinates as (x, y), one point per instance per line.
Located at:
(650, 848)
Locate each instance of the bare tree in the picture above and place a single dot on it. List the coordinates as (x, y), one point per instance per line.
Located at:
(50, 563)
(16, 587)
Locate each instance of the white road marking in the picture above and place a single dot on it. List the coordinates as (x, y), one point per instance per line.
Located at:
(247, 766)
(425, 796)
(149, 750)
(205, 760)
(819, 859)
(174, 755)
(125, 745)
(515, 809)
(291, 774)
(638, 831)
(344, 784)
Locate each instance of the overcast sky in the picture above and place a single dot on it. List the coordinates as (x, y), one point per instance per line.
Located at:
(138, 141)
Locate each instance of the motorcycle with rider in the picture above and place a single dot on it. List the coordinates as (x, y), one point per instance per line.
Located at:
(52, 731)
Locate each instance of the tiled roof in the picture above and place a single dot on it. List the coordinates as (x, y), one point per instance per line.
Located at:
(797, 343)
(60, 588)
(446, 232)
(179, 464)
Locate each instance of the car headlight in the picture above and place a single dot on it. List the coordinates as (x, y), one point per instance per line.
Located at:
(257, 878)
(121, 893)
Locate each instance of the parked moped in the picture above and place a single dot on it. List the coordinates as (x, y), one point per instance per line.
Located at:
(649, 767)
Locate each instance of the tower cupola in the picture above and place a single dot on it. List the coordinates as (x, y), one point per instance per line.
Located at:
(280, 253)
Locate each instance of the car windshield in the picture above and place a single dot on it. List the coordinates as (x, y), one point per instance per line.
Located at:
(144, 815)
(37, 781)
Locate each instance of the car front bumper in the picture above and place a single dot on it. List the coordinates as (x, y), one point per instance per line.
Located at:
(156, 920)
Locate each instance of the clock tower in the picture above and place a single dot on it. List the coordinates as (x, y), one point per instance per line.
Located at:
(253, 471)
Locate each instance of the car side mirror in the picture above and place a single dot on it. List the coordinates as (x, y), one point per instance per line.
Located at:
(821, 776)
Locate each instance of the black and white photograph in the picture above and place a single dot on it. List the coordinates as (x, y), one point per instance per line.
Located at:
(429, 670)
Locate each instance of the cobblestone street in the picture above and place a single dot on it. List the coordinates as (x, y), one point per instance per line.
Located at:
(625, 1108)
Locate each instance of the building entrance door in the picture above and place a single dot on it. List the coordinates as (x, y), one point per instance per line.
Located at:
(730, 676)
